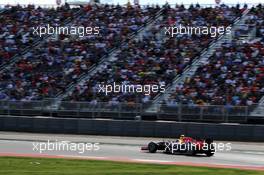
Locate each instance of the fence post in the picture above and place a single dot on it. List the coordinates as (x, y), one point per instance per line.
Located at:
(20, 104)
(140, 109)
(8, 110)
(247, 114)
(180, 112)
(158, 110)
(119, 110)
(226, 116)
(223, 113)
(201, 112)
(79, 108)
(100, 108)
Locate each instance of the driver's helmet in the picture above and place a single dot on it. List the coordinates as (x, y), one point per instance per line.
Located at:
(181, 138)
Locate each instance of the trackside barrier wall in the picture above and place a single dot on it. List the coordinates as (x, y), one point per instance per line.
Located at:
(126, 111)
(234, 132)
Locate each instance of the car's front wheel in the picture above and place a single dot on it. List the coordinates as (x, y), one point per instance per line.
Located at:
(152, 147)
(210, 152)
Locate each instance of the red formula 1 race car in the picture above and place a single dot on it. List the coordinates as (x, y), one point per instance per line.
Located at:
(183, 145)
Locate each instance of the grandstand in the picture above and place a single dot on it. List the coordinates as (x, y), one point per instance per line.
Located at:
(217, 79)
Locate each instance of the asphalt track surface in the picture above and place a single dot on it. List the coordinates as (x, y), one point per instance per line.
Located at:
(242, 155)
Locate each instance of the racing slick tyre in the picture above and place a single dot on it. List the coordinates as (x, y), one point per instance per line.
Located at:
(211, 151)
(152, 147)
(208, 141)
(191, 149)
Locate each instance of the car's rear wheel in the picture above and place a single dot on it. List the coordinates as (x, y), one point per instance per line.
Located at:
(152, 147)
(209, 154)
(208, 141)
(191, 149)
